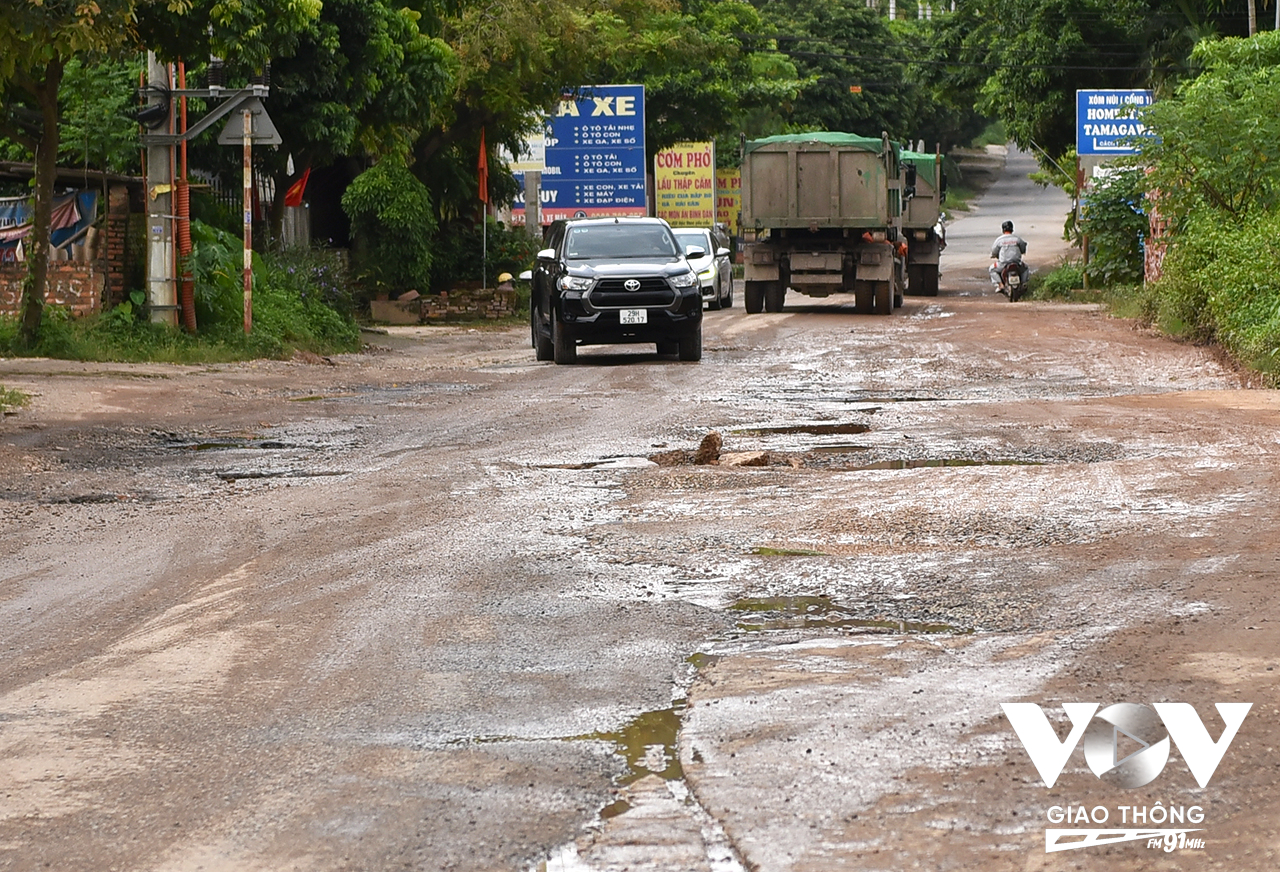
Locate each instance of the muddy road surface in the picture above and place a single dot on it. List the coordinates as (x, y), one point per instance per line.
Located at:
(440, 607)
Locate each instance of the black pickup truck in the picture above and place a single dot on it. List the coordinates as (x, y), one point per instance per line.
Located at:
(601, 281)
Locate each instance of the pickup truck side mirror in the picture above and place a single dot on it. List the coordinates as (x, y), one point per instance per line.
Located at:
(722, 252)
(695, 251)
(547, 254)
(526, 276)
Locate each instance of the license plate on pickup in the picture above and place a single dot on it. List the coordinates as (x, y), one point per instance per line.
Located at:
(633, 316)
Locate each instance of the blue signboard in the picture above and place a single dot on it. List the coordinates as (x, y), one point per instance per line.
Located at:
(1105, 122)
(595, 164)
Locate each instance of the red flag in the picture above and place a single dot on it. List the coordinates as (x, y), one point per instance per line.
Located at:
(483, 166)
(293, 196)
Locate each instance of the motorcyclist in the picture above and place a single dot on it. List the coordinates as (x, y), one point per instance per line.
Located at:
(1007, 249)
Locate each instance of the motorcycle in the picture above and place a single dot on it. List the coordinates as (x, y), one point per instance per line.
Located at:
(1013, 280)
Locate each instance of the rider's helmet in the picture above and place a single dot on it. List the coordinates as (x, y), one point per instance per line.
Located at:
(1007, 227)
(504, 277)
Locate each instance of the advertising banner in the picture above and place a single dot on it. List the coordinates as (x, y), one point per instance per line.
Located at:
(594, 164)
(684, 184)
(1104, 122)
(729, 199)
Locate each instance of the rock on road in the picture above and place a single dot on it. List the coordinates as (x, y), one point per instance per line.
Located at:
(434, 607)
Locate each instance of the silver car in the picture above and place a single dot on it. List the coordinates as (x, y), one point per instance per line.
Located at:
(715, 272)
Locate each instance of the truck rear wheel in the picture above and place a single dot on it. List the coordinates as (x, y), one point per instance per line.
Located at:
(864, 297)
(774, 295)
(753, 296)
(922, 280)
(884, 298)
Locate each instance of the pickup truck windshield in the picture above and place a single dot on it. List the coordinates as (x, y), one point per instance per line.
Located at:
(617, 241)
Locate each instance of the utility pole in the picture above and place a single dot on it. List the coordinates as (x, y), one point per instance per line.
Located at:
(248, 125)
(533, 203)
(162, 294)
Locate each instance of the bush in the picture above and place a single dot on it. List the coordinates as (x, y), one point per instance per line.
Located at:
(301, 300)
(1058, 283)
(1115, 221)
(1222, 282)
(460, 251)
(392, 224)
(301, 297)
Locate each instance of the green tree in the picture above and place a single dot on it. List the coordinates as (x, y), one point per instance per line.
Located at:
(361, 80)
(946, 77)
(98, 101)
(1218, 137)
(393, 223)
(837, 45)
(1043, 51)
(38, 40)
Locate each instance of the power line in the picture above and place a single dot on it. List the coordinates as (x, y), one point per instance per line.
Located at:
(951, 63)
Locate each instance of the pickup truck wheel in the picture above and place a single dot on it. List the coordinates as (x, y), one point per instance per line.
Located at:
(727, 303)
(754, 296)
(714, 302)
(542, 349)
(774, 296)
(691, 345)
(564, 349)
(668, 347)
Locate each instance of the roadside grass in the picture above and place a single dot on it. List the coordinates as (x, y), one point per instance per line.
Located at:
(11, 400)
(109, 337)
(302, 302)
(1158, 306)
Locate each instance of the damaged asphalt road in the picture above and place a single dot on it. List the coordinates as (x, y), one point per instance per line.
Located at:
(439, 607)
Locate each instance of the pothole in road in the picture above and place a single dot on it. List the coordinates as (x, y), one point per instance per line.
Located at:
(763, 614)
(279, 474)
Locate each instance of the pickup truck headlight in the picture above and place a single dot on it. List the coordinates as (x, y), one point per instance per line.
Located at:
(683, 280)
(575, 283)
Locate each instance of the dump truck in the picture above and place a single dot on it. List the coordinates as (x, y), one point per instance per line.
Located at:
(921, 220)
(822, 215)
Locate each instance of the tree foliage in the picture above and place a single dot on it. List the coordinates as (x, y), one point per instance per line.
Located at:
(1116, 223)
(1218, 145)
(393, 224)
(38, 40)
(836, 46)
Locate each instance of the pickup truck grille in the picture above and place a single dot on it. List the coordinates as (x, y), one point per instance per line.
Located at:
(611, 294)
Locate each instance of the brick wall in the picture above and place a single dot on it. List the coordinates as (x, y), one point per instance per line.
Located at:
(468, 305)
(78, 286)
(114, 244)
(84, 286)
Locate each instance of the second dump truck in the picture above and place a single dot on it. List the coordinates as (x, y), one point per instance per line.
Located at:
(921, 220)
(822, 214)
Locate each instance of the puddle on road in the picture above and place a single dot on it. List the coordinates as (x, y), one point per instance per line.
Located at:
(238, 445)
(769, 551)
(926, 463)
(648, 744)
(829, 429)
(625, 461)
(820, 613)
